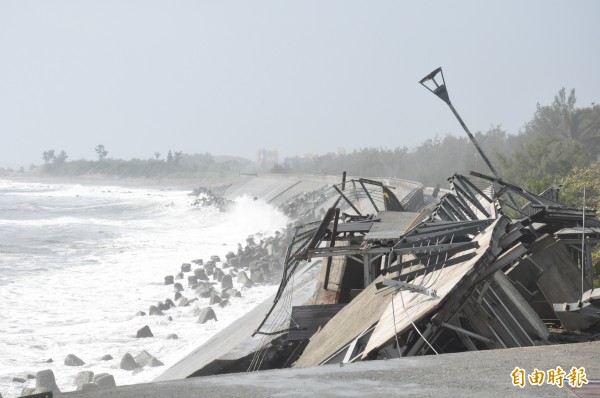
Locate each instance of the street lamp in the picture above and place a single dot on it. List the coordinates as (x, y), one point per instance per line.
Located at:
(436, 83)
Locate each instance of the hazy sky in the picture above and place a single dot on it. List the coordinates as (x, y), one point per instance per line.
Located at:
(229, 77)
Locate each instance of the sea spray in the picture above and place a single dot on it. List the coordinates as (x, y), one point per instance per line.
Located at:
(79, 261)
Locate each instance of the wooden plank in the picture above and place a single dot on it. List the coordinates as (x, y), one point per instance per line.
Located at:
(505, 259)
(462, 331)
(393, 225)
(525, 272)
(441, 248)
(356, 226)
(406, 275)
(345, 251)
(466, 193)
(460, 231)
(414, 306)
(331, 244)
(310, 318)
(509, 319)
(480, 321)
(463, 338)
(362, 184)
(331, 295)
(447, 225)
(358, 315)
(347, 200)
(560, 281)
(454, 301)
(519, 308)
(500, 325)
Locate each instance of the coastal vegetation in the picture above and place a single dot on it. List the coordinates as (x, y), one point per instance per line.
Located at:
(559, 139)
(176, 164)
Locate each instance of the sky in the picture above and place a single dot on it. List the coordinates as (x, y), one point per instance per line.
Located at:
(231, 77)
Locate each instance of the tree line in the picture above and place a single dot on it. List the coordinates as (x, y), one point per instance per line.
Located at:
(176, 163)
(559, 138)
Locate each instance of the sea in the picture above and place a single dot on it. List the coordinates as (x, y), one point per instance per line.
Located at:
(78, 261)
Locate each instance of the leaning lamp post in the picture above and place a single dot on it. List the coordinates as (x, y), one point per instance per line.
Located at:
(436, 83)
(438, 87)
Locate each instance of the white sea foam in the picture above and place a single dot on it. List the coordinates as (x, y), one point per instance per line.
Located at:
(112, 248)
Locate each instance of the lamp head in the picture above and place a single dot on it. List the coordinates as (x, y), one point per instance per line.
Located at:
(436, 83)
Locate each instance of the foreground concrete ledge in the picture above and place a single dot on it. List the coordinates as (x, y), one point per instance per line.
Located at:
(467, 374)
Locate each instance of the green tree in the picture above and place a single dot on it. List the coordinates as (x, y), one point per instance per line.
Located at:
(61, 158)
(559, 138)
(48, 156)
(564, 121)
(546, 158)
(580, 178)
(178, 156)
(101, 152)
(572, 193)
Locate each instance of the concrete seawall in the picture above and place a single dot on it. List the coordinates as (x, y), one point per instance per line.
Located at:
(279, 188)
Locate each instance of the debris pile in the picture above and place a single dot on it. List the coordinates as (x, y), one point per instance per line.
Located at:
(488, 265)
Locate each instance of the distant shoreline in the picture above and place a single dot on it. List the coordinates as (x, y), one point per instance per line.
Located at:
(163, 183)
(130, 182)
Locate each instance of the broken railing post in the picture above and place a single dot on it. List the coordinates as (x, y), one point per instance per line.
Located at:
(331, 244)
(583, 255)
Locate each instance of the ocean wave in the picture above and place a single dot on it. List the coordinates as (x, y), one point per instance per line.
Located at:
(78, 273)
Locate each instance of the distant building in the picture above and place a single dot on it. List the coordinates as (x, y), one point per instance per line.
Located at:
(266, 159)
(341, 151)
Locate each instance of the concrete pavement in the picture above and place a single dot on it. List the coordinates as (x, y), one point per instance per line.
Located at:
(467, 374)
